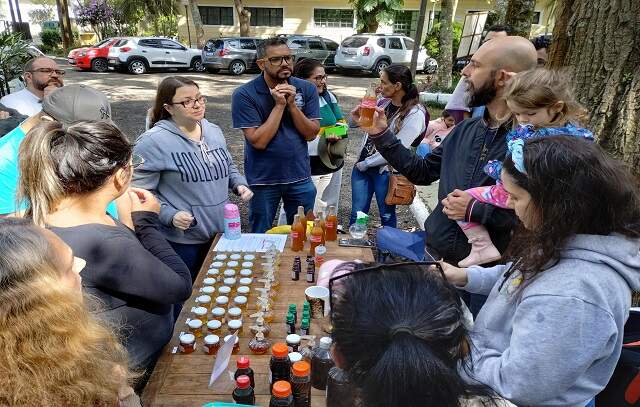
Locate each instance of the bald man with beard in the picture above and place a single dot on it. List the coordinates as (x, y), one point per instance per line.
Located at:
(459, 161)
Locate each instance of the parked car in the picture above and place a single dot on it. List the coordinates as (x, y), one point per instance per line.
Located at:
(374, 52)
(310, 46)
(234, 54)
(138, 55)
(94, 57)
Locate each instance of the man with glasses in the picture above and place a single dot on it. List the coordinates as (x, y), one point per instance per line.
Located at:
(42, 76)
(66, 105)
(278, 114)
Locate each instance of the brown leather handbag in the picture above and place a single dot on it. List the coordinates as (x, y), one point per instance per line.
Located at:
(401, 191)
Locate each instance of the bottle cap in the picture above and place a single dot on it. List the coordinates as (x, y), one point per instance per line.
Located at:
(228, 337)
(187, 338)
(246, 281)
(230, 281)
(203, 299)
(244, 290)
(209, 281)
(211, 339)
(247, 264)
(246, 272)
(224, 290)
(195, 324)
(235, 324)
(232, 263)
(234, 312)
(208, 290)
(231, 211)
(216, 265)
(243, 362)
(200, 311)
(218, 311)
(325, 342)
(229, 273)
(293, 339)
(281, 389)
(221, 300)
(214, 324)
(321, 250)
(243, 382)
(295, 357)
(221, 256)
(292, 308)
(249, 257)
(240, 299)
(304, 323)
(280, 350)
(301, 369)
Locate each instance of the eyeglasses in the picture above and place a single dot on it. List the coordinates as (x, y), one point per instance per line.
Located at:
(190, 102)
(277, 61)
(320, 78)
(49, 71)
(136, 161)
(379, 267)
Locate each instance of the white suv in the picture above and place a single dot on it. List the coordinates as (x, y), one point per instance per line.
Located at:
(139, 54)
(374, 52)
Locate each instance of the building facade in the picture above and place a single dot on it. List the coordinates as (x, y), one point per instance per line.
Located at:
(334, 19)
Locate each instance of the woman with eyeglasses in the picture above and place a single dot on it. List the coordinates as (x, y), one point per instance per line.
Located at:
(401, 334)
(68, 176)
(189, 169)
(326, 176)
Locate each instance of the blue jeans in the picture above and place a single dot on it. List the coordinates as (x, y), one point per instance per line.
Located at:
(266, 198)
(363, 186)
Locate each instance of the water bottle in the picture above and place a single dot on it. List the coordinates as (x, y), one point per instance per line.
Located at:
(231, 222)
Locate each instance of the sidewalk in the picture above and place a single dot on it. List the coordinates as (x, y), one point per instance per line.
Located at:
(426, 199)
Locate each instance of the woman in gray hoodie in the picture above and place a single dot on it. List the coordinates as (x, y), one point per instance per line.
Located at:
(550, 333)
(188, 167)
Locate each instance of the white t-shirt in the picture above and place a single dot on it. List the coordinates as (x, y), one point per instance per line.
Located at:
(23, 101)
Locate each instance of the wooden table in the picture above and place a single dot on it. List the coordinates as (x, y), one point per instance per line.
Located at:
(182, 380)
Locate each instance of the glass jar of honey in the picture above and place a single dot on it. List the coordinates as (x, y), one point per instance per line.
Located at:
(213, 272)
(235, 257)
(200, 313)
(249, 257)
(230, 282)
(229, 273)
(234, 313)
(214, 327)
(187, 343)
(218, 313)
(222, 301)
(220, 257)
(209, 281)
(224, 290)
(246, 273)
(247, 265)
(195, 327)
(236, 345)
(216, 265)
(244, 290)
(233, 264)
(204, 301)
(240, 301)
(235, 326)
(208, 290)
(211, 344)
(245, 281)
(259, 345)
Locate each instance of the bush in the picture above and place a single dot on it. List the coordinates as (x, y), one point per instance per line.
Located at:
(51, 40)
(432, 45)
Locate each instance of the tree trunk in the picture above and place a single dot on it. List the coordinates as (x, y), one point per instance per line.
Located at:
(501, 11)
(244, 17)
(445, 42)
(370, 22)
(197, 23)
(598, 43)
(519, 16)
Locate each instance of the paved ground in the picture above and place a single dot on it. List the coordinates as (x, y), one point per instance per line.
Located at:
(131, 96)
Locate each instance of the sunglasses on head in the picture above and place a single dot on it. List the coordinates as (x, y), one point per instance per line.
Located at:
(350, 270)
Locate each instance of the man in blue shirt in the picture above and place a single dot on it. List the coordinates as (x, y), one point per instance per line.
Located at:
(278, 114)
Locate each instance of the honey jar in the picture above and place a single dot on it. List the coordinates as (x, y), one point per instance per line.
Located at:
(229, 273)
(222, 301)
(234, 313)
(195, 327)
(209, 281)
(236, 345)
(235, 326)
(224, 290)
(200, 313)
(218, 313)
(240, 301)
(187, 343)
(233, 264)
(235, 257)
(204, 301)
(247, 264)
(230, 282)
(246, 273)
(244, 290)
(216, 265)
(246, 281)
(213, 272)
(249, 257)
(208, 290)
(220, 257)
(211, 344)
(214, 327)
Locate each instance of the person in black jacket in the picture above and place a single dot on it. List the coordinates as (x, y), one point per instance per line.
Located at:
(459, 160)
(68, 176)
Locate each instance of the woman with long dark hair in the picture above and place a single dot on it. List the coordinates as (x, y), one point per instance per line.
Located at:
(406, 118)
(189, 168)
(68, 176)
(551, 330)
(401, 333)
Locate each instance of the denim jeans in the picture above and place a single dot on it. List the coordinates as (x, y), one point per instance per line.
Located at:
(266, 199)
(363, 186)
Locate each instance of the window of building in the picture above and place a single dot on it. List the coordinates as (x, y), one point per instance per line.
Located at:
(406, 22)
(266, 17)
(216, 15)
(328, 17)
(536, 18)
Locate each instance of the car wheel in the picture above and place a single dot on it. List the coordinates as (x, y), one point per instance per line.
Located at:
(137, 67)
(380, 66)
(99, 65)
(197, 66)
(237, 68)
(213, 70)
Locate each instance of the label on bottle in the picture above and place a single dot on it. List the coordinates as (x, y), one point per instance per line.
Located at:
(368, 102)
(316, 238)
(295, 235)
(330, 225)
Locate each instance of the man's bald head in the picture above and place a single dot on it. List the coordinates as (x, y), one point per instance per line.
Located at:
(512, 54)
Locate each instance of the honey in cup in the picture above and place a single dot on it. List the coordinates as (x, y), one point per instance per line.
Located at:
(368, 107)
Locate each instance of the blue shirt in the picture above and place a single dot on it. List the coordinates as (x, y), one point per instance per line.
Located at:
(9, 173)
(285, 159)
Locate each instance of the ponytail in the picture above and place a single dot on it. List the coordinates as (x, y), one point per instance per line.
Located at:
(39, 186)
(57, 162)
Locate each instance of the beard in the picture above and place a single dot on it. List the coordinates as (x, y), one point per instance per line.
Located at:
(41, 85)
(483, 95)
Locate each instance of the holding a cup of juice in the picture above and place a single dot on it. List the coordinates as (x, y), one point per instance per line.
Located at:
(368, 106)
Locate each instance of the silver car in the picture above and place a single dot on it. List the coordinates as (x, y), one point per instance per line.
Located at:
(233, 54)
(309, 46)
(137, 55)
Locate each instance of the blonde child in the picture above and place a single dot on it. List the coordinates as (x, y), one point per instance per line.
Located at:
(543, 105)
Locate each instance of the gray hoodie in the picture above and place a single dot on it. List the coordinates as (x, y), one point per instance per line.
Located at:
(557, 343)
(187, 175)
